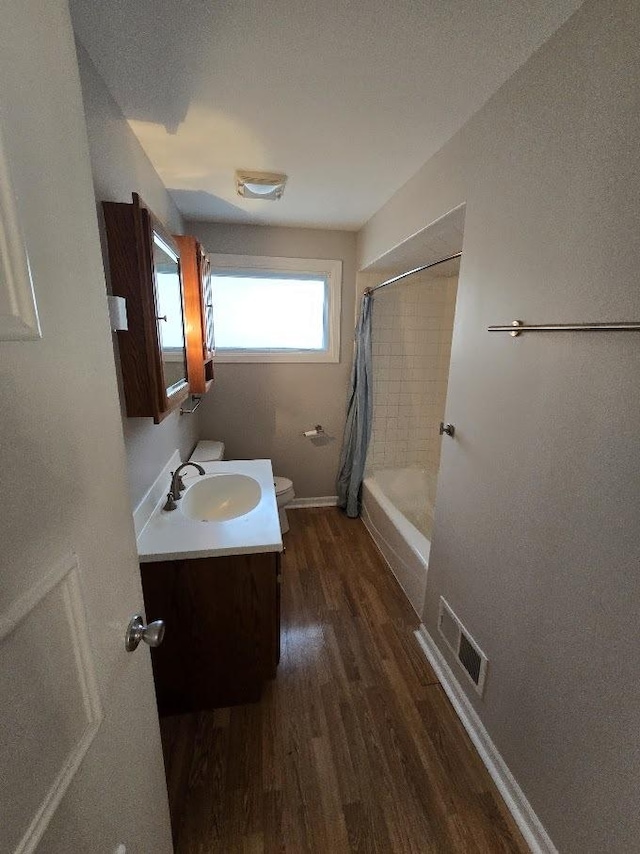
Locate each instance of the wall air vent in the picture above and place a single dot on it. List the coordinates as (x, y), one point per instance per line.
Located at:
(462, 645)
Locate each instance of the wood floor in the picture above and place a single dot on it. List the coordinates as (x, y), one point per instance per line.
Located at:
(354, 746)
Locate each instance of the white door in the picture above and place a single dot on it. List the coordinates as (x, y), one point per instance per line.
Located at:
(80, 759)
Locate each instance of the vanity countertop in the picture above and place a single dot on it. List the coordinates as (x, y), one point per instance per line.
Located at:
(171, 535)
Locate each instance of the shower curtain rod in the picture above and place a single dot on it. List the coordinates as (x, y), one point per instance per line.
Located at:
(369, 291)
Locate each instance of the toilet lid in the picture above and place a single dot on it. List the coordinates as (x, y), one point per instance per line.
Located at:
(207, 450)
(282, 484)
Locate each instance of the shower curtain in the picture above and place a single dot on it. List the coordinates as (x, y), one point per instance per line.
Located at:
(357, 431)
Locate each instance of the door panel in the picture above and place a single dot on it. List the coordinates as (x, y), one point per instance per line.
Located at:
(47, 678)
(80, 757)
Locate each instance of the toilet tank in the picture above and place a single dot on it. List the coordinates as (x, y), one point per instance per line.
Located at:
(207, 451)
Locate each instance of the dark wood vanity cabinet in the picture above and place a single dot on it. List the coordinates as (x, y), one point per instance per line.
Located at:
(222, 640)
(198, 306)
(144, 267)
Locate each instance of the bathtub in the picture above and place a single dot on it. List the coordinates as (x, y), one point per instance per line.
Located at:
(397, 510)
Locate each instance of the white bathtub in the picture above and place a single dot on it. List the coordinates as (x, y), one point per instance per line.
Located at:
(397, 509)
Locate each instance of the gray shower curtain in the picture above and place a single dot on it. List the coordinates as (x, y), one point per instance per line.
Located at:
(357, 431)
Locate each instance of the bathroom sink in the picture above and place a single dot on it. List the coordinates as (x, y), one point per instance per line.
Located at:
(221, 497)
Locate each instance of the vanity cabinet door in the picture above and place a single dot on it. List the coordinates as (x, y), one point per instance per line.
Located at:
(144, 266)
(278, 607)
(196, 271)
(222, 640)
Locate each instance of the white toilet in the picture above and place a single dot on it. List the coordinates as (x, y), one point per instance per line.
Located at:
(284, 495)
(207, 451)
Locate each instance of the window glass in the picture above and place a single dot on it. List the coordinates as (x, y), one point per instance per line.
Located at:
(270, 312)
(270, 309)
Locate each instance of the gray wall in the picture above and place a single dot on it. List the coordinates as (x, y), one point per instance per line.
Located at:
(262, 410)
(537, 535)
(121, 167)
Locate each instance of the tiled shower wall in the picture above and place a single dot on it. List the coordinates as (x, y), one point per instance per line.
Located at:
(412, 331)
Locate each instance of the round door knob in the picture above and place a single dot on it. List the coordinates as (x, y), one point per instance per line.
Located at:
(153, 634)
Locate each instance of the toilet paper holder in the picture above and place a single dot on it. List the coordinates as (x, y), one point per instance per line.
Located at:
(318, 430)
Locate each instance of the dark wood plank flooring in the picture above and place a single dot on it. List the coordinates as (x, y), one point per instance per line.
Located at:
(354, 747)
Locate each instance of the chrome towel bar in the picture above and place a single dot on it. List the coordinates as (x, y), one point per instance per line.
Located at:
(517, 327)
(195, 401)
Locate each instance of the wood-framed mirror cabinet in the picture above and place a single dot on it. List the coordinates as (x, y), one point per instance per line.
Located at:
(198, 304)
(145, 269)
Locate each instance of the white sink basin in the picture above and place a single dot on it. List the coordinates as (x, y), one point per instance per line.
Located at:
(220, 497)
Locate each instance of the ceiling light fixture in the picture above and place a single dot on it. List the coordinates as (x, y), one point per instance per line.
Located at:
(260, 185)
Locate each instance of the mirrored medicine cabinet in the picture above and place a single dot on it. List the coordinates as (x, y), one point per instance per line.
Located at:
(145, 269)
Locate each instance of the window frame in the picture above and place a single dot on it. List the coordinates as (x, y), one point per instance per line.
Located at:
(330, 268)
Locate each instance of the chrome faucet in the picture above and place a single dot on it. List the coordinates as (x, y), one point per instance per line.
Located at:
(177, 485)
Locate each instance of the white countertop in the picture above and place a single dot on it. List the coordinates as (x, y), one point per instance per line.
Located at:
(171, 535)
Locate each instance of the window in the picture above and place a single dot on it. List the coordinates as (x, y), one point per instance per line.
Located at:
(276, 309)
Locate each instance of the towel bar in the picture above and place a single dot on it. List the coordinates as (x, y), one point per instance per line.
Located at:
(517, 327)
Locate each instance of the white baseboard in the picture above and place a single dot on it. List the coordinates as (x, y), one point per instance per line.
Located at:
(530, 826)
(319, 501)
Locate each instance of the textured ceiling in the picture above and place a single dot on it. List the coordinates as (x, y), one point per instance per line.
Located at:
(348, 98)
